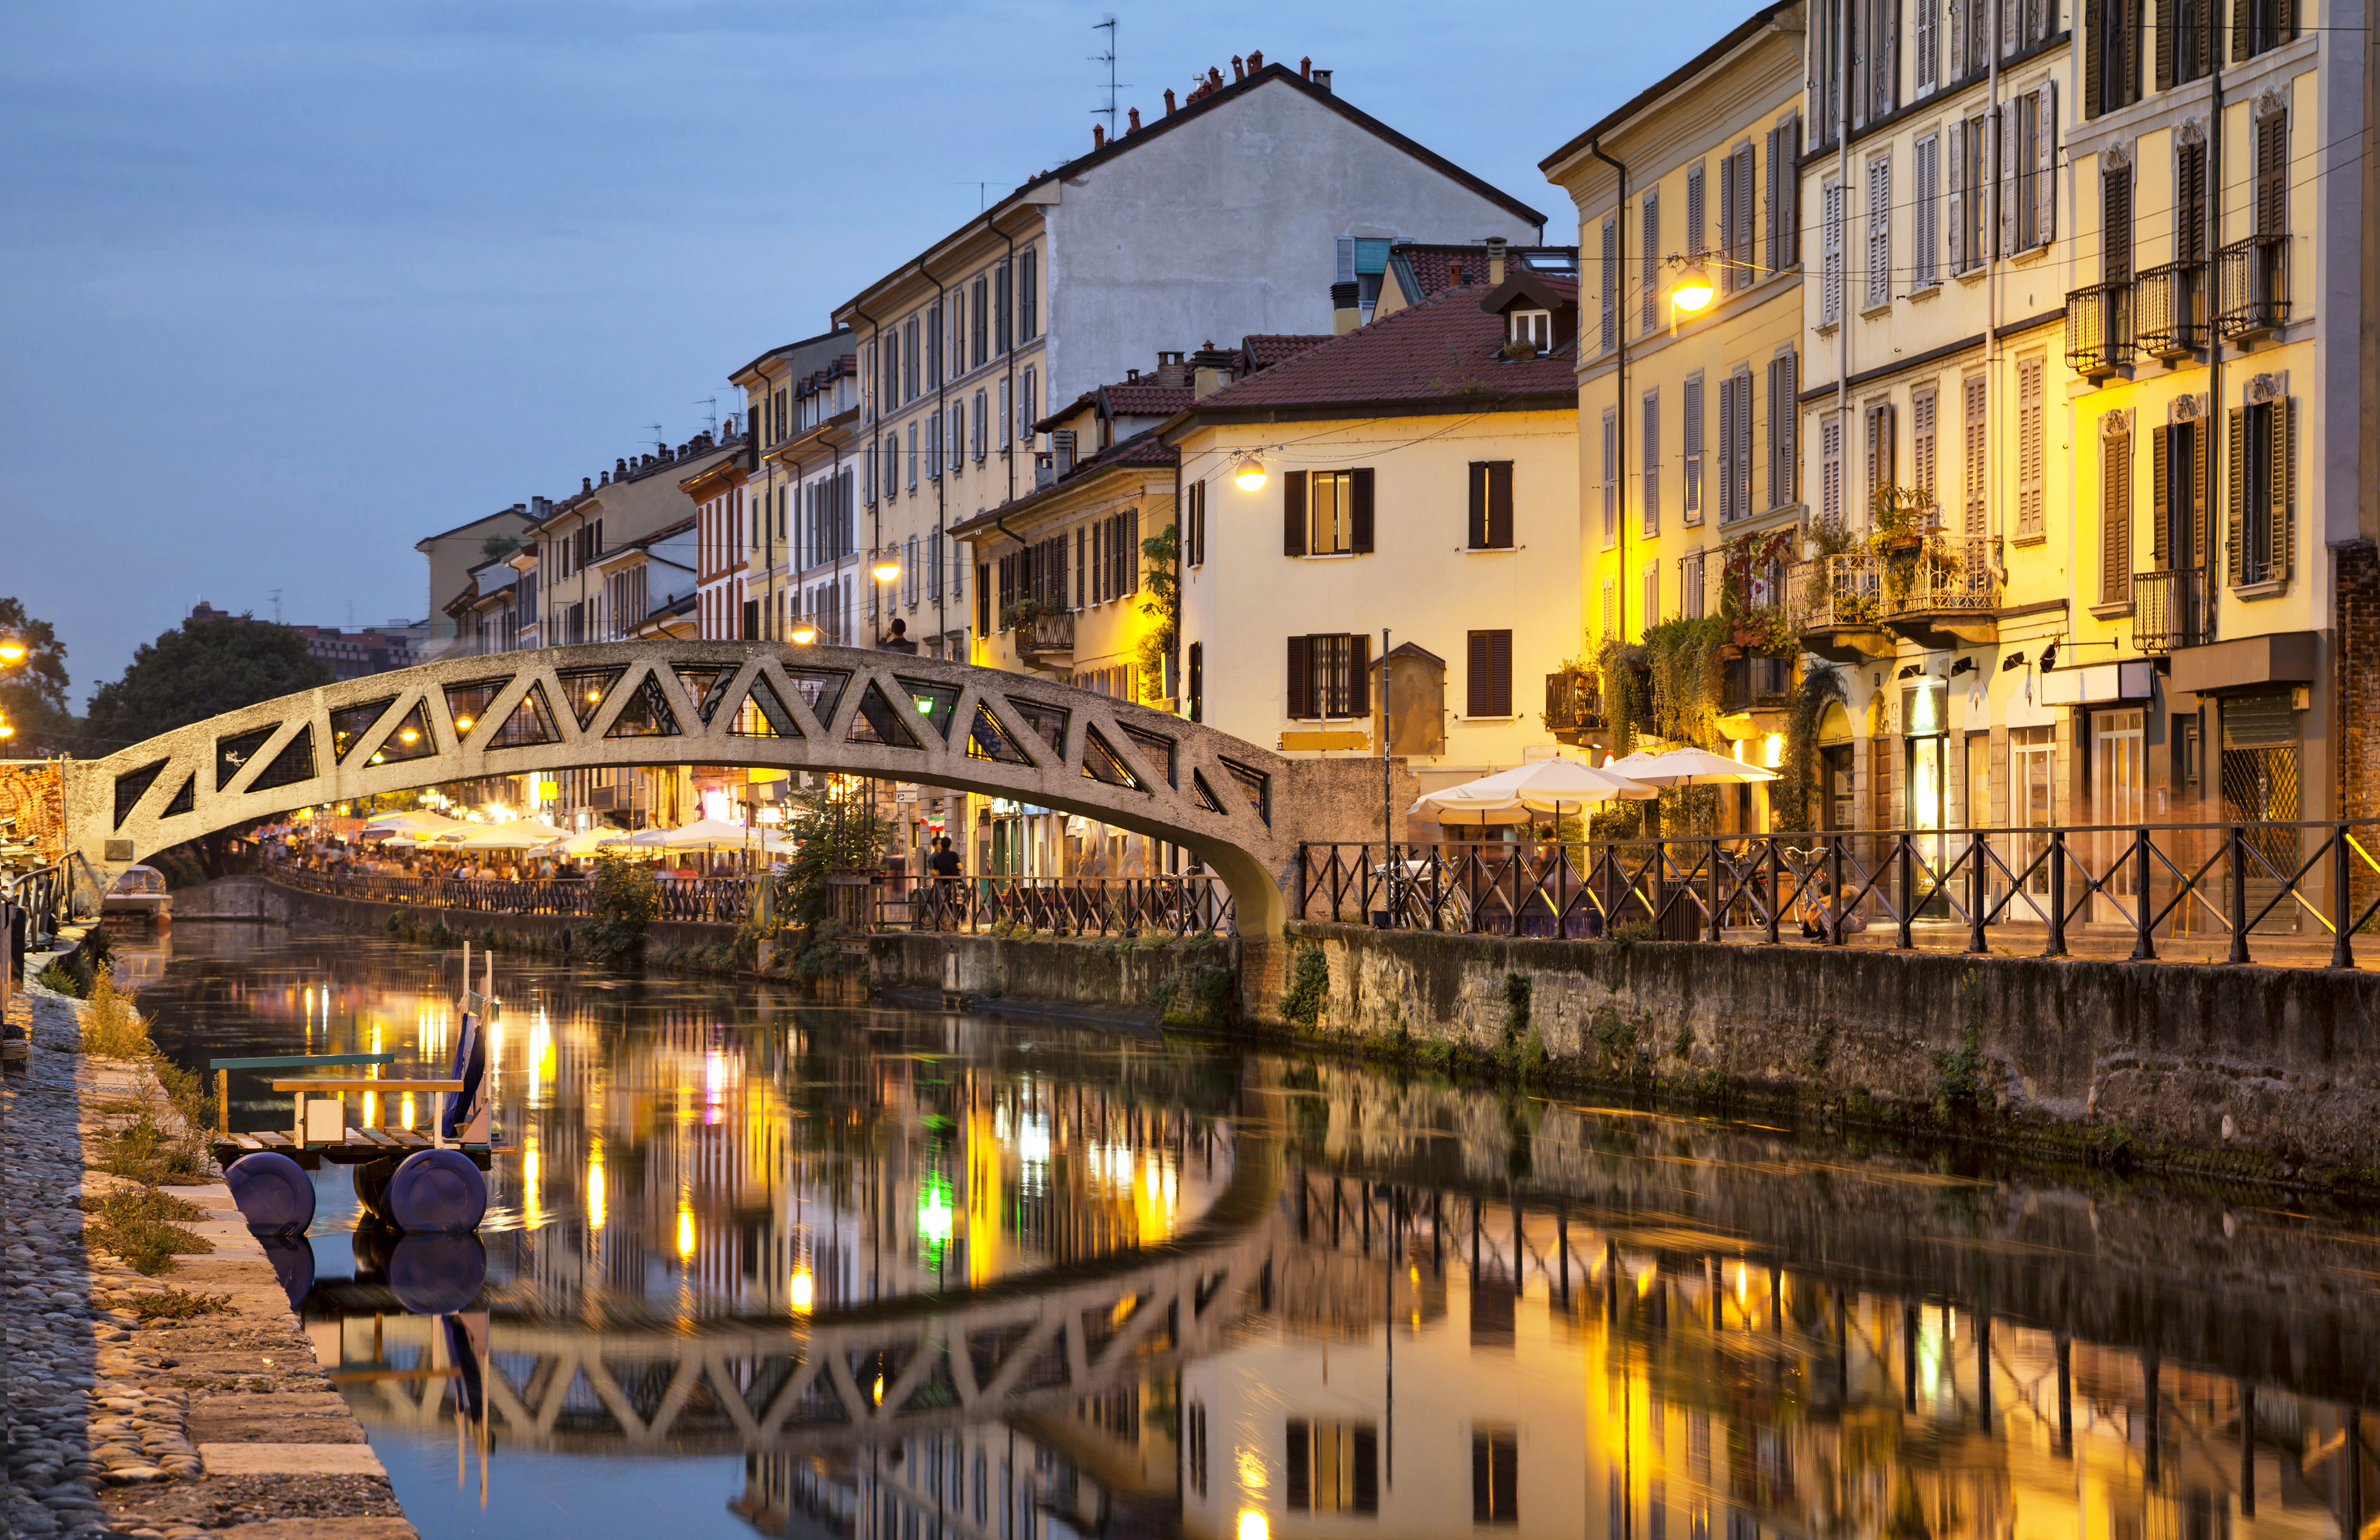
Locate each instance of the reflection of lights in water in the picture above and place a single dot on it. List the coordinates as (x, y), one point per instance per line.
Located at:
(595, 1184)
(1033, 1139)
(685, 1233)
(540, 1056)
(802, 1289)
(714, 1083)
(934, 1211)
(1252, 1525)
(878, 1391)
(535, 1218)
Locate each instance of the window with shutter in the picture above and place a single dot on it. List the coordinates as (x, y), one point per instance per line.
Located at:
(1879, 441)
(1830, 470)
(1610, 311)
(2161, 548)
(2272, 197)
(1690, 446)
(1650, 218)
(1879, 232)
(1694, 232)
(1728, 511)
(1975, 447)
(1301, 678)
(1929, 44)
(1830, 301)
(1132, 551)
(1926, 237)
(1649, 613)
(2004, 121)
(1359, 510)
(1784, 410)
(1742, 450)
(2114, 515)
(1489, 677)
(1198, 524)
(1740, 255)
(1729, 197)
(2041, 109)
(1029, 294)
(1292, 513)
(1651, 420)
(1499, 504)
(1921, 414)
(1785, 197)
(1611, 475)
(1610, 617)
(2030, 450)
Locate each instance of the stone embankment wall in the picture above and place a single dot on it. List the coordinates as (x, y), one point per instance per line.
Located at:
(2277, 1068)
(261, 898)
(1121, 980)
(219, 1424)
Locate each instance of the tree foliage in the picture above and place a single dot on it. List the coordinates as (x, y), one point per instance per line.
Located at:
(626, 899)
(1797, 778)
(33, 689)
(202, 668)
(833, 834)
(1163, 604)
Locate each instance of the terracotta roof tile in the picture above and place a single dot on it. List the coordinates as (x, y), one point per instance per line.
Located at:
(1265, 350)
(1444, 347)
(1144, 397)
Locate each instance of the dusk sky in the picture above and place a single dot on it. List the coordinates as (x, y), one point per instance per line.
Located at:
(289, 286)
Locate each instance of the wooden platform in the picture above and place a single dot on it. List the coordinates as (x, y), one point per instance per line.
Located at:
(360, 1146)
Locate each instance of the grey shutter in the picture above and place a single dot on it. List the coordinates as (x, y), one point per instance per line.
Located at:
(1728, 511)
(1784, 411)
(1359, 507)
(1300, 679)
(1954, 67)
(1741, 233)
(2160, 496)
(1929, 46)
(1771, 232)
(1695, 209)
(2235, 495)
(1956, 139)
(1728, 196)
(2000, 120)
(1611, 305)
(1788, 195)
(1743, 410)
(1292, 513)
(2045, 174)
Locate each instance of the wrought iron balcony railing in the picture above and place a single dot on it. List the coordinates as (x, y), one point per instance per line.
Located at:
(2169, 310)
(2254, 281)
(2099, 329)
(1048, 632)
(1838, 593)
(2171, 610)
(1946, 575)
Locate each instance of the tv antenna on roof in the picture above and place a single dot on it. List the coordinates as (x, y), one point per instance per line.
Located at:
(711, 415)
(1107, 24)
(276, 604)
(659, 442)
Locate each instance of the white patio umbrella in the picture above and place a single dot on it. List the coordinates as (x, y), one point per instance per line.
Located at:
(420, 823)
(1539, 786)
(1686, 767)
(585, 842)
(701, 834)
(518, 835)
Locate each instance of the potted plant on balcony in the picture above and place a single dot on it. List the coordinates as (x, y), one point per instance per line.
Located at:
(1898, 519)
(1020, 613)
(1752, 580)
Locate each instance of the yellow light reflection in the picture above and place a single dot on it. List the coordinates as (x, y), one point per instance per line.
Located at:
(878, 1391)
(802, 1289)
(685, 1233)
(406, 1115)
(1252, 1525)
(595, 1184)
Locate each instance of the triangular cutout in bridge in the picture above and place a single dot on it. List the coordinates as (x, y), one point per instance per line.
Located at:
(1103, 764)
(763, 714)
(351, 724)
(706, 686)
(1203, 793)
(412, 740)
(467, 704)
(232, 753)
(937, 703)
(531, 723)
(877, 722)
(186, 800)
(821, 691)
(647, 713)
(587, 689)
(293, 764)
(132, 785)
(989, 740)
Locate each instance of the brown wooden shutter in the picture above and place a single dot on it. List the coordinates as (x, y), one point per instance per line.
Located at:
(1300, 679)
(1478, 536)
(2282, 523)
(1499, 673)
(1359, 675)
(2116, 225)
(2160, 496)
(1359, 502)
(2115, 519)
(2272, 174)
(2240, 39)
(2167, 50)
(2202, 466)
(1500, 503)
(2094, 42)
(1475, 680)
(1292, 513)
(1132, 553)
(2235, 466)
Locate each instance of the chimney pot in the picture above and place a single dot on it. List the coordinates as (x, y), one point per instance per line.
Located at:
(1135, 122)
(1132, 377)
(1170, 370)
(1237, 72)
(1305, 68)
(586, 484)
(1255, 60)
(1322, 78)
(1099, 135)
(1345, 313)
(1495, 260)
(1169, 101)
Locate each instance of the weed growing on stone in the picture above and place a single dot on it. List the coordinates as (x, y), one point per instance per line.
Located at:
(111, 1027)
(177, 1304)
(1309, 988)
(139, 1224)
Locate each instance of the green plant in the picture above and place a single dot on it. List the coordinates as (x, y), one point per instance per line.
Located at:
(1309, 989)
(1160, 553)
(57, 976)
(1962, 1089)
(176, 1304)
(1797, 779)
(139, 1224)
(1627, 933)
(1019, 611)
(1682, 654)
(1201, 994)
(626, 900)
(111, 1027)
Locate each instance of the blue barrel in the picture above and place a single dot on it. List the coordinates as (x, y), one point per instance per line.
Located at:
(275, 1195)
(437, 1275)
(293, 1263)
(436, 1190)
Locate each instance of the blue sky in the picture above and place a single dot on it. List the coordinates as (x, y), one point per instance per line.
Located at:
(285, 286)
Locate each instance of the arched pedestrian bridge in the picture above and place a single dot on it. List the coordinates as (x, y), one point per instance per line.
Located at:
(1239, 808)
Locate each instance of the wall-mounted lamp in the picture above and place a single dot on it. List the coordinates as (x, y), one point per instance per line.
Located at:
(1912, 671)
(2013, 661)
(1964, 665)
(1250, 472)
(804, 635)
(1692, 291)
(886, 570)
(2049, 656)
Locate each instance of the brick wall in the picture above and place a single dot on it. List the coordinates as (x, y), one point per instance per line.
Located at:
(33, 794)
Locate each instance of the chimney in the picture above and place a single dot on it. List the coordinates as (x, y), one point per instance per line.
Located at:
(1169, 101)
(1305, 68)
(1132, 377)
(1344, 315)
(1495, 260)
(1322, 78)
(1099, 135)
(1133, 121)
(619, 468)
(1255, 60)
(1062, 452)
(586, 485)
(1170, 370)
(1238, 73)
(1210, 371)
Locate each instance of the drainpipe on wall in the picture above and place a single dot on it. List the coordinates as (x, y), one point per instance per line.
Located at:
(1993, 428)
(1016, 444)
(941, 426)
(1844, 260)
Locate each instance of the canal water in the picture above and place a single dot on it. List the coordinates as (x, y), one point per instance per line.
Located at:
(759, 1265)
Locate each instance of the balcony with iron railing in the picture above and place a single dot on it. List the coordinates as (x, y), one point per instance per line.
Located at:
(1945, 593)
(2169, 310)
(2099, 329)
(2172, 610)
(1837, 604)
(2253, 280)
(1047, 635)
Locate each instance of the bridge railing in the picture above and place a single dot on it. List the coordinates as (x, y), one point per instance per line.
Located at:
(2237, 892)
(1175, 906)
(45, 894)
